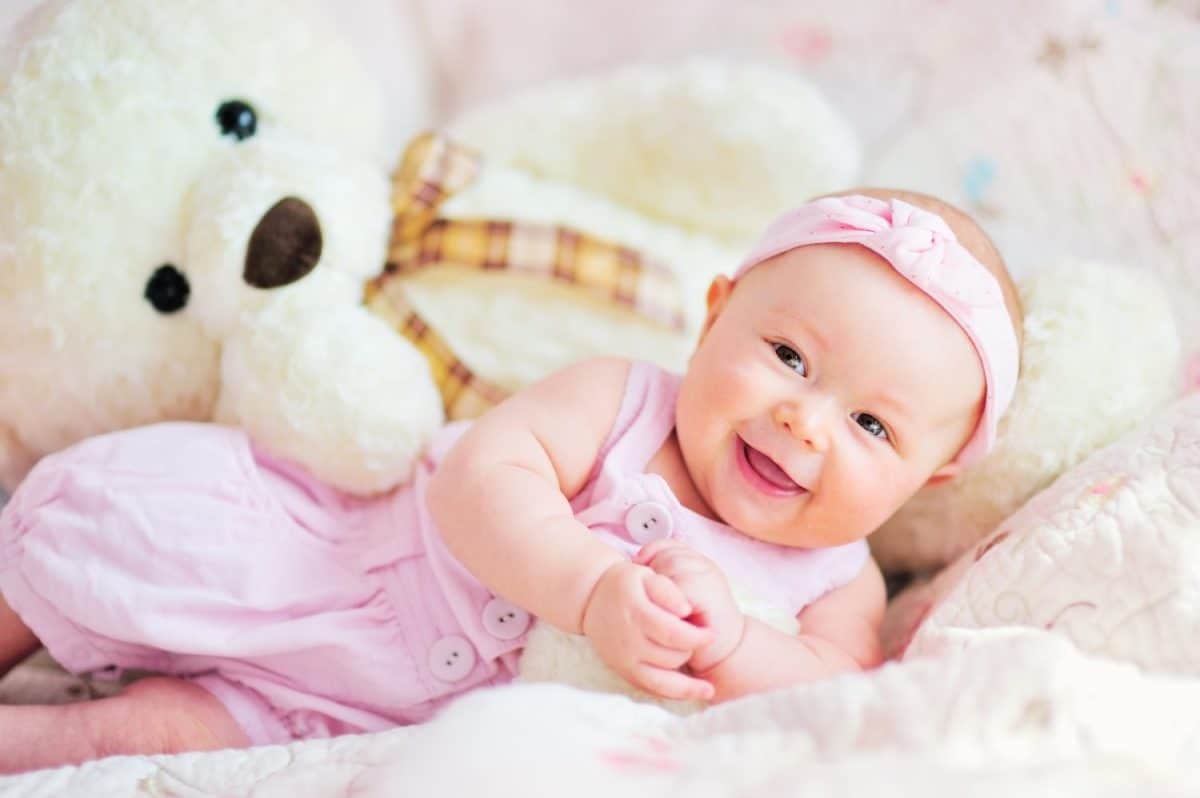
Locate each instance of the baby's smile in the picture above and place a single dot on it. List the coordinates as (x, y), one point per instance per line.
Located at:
(763, 473)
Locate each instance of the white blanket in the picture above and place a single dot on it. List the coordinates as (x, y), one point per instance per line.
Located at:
(996, 712)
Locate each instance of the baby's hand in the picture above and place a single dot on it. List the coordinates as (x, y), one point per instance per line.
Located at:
(705, 587)
(634, 618)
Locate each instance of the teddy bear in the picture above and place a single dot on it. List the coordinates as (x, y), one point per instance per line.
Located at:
(197, 193)
(194, 195)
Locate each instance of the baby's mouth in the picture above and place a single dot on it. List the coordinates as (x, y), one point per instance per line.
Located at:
(765, 473)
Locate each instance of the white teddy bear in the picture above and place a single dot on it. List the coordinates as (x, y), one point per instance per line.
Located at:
(195, 195)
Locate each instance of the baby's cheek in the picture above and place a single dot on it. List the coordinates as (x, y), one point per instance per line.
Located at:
(742, 380)
(870, 499)
(888, 494)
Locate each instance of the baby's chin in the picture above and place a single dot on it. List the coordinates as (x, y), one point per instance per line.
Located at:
(792, 536)
(793, 524)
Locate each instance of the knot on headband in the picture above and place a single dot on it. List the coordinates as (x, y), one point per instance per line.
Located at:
(919, 244)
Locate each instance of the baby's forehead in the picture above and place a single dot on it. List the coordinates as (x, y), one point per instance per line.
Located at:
(847, 287)
(865, 312)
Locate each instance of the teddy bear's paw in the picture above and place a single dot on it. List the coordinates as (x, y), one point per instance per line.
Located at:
(330, 386)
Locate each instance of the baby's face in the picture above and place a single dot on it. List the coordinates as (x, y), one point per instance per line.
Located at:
(825, 391)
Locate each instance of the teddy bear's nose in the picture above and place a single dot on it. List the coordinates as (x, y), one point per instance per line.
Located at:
(285, 245)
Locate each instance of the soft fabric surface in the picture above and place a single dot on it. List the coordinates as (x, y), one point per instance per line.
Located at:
(994, 713)
(1108, 555)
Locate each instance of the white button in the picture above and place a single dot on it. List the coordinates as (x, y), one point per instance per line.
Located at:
(505, 620)
(451, 658)
(647, 521)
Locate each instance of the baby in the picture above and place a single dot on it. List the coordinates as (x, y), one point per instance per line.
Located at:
(866, 347)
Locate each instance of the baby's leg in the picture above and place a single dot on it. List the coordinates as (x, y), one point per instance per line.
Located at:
(16, 641)
(153, 716)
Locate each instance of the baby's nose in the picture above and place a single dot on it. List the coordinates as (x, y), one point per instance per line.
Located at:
(807, 421)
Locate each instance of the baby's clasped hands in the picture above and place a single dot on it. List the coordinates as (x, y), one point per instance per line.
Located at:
(636, 620)
(705, 587)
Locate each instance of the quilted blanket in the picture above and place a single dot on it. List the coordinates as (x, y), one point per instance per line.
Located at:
(1108, 556)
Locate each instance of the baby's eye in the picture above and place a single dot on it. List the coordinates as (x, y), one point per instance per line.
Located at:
(871, 424)
(791, 358)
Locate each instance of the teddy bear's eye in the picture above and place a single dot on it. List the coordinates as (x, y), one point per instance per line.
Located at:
(167, 289)
(238, 119)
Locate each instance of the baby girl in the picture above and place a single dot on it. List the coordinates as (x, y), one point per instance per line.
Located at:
(867, 346)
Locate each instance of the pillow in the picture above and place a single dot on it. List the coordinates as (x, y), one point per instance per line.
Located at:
(1109, 556)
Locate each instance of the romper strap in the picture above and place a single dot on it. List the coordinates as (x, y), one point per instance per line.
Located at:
(646, 418)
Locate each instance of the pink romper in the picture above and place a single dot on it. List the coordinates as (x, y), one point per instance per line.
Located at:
(181, 549)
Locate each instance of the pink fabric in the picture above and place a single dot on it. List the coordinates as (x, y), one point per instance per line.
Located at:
(179, 548)
(923, 249)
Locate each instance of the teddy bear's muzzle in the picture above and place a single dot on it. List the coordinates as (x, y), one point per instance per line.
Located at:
(285, 245)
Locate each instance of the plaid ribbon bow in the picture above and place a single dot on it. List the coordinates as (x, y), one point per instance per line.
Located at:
(433, 169)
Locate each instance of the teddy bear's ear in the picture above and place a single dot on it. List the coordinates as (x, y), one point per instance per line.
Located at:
(116, 118)
(1101, 352)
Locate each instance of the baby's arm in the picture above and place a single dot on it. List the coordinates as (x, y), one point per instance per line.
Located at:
(501, 501)
(838, 633)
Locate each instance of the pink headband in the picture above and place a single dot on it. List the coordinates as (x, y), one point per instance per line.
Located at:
(922, 248)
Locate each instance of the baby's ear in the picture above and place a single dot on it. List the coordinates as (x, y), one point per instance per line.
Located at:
(718, 294)
(944, 474)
